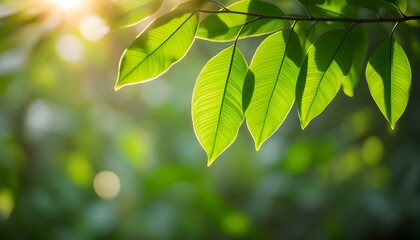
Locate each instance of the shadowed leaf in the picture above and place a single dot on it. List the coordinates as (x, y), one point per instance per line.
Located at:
(327, 61)
(358, 41)
(388, 75)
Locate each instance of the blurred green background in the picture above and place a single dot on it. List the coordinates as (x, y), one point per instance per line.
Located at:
(81, 161)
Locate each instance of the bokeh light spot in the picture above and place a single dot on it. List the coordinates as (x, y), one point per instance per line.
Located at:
(298, 159)
(79, 169)
(372, 150)
(236, 223)
(6, 202)
(107, 185)
(93, 28)
(69, 48)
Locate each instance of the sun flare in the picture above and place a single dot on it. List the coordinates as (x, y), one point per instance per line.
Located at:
(68, 4)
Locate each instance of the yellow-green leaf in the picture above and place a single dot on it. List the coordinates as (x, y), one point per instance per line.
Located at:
(136, 12)
(327, 61)
(217, 101)
(388, 75)
(276, 67)
(335, 8)
(160, 46)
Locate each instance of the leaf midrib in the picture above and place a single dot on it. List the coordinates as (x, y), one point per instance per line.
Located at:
(324, 72)
(387, 87)
(222, 103)
(274, 87)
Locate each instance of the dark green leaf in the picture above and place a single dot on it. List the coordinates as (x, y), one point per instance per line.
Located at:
(358, 41)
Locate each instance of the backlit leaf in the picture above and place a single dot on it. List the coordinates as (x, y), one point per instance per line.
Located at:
(217, 101)
(327, 61)
(137, 12)
(226, 26)
(335, 8)
(276, 67)
(388, 75)
(155, 50)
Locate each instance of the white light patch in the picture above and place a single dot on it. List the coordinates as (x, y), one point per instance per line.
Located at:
(69, 48)
(68, 4)
(107, 185)
(39, 119)
(93, 28)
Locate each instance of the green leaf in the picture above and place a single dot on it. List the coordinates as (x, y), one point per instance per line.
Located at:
(400, 4)
(358, 41)
(327, 61)
(368, 4)
(276, 67)
(335, 8)
(226, 26)
(138, 13)
(161, 45)
(382, 7)
(217, 101)
(388, 75)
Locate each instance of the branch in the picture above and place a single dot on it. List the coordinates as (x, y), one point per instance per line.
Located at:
(318, 19)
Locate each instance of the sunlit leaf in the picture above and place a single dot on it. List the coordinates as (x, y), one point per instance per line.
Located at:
(327, 61)
(161, 45)
(217, 101)
(276, 67)
(192, 5)
(388, 75)
(336, 8)
(137, 13)
(358, 41)
(226, 26)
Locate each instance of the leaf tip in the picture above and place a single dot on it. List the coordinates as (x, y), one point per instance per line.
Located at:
(117, 87)
(349, 93)
(210, 161)
(303, 124)
(392, 125)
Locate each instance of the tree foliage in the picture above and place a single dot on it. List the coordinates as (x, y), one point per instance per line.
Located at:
(306, 63)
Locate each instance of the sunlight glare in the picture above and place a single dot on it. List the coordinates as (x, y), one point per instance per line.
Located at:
(68, 4)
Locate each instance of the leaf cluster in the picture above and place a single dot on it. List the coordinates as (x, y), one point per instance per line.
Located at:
(304, 59)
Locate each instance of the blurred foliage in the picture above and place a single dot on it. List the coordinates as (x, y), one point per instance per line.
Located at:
(347, 176)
